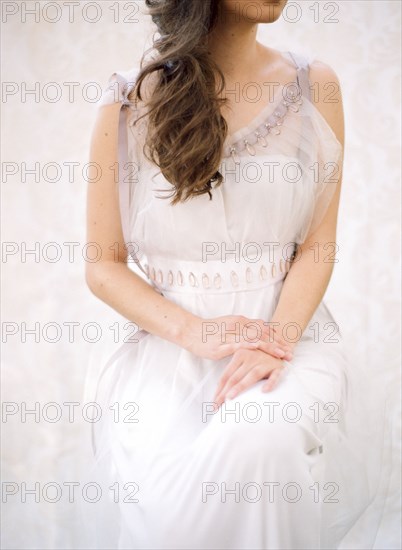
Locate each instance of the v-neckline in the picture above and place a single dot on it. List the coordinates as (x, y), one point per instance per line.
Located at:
(266, 112)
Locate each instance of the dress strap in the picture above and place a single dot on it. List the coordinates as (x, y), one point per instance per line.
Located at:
(302, 68)
(303, 82)
(120, 86)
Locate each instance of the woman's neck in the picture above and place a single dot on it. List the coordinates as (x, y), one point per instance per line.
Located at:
(236, 51)
(234, 48)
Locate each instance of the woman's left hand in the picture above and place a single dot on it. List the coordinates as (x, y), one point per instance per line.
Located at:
(245, 369)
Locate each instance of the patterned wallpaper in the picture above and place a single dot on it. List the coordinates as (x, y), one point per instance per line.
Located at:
(54, 61)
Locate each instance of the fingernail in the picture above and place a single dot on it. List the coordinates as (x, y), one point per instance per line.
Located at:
(231, 394)
(279, 352)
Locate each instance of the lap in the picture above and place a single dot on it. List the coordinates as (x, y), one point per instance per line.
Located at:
(175, 412)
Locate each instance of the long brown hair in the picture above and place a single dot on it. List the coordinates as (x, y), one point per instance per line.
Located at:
(186, 130)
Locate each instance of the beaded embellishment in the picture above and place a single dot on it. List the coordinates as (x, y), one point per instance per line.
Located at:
(217, 280)
(271, 126)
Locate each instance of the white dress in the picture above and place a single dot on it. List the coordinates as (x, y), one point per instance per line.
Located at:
(285, 469)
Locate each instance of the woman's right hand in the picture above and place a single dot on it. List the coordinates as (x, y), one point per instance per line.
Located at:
(220, 337)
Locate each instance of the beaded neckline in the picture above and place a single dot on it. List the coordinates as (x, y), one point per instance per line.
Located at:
(265, 123)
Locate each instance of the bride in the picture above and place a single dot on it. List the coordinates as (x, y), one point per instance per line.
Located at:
(249, 425)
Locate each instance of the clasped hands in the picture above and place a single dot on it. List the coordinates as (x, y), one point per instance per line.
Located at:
(258, 351)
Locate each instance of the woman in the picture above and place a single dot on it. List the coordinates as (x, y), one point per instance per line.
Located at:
(242, 429)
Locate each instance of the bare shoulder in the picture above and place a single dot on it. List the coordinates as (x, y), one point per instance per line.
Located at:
(323, 75)
(105, 128)
(326, 93)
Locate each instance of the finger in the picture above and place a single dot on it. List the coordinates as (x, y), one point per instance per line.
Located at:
(275, 336)
(274, 350)
(252, 377)
(273, 379)
(225, 350)
(270, 335)
(281, 344)
(226, 384)
(288, 356)
(230, 368)
(240, 373)
(277, 351)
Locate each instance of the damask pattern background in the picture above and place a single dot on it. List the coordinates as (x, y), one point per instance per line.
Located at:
(66, 51)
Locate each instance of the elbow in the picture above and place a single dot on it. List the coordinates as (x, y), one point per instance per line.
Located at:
(93, 279)
(100, 277)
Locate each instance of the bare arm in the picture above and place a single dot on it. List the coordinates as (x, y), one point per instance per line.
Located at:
(308, 278)
(110, 279)
(306, 281)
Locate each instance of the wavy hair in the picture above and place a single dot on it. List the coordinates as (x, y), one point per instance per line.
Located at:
(186, 130)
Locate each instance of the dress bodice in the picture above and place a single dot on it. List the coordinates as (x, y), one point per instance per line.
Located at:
(279, 176)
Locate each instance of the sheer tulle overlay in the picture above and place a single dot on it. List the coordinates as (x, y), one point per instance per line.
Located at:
(299, 467)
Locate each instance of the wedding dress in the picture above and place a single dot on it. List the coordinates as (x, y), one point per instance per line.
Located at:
(297, 467)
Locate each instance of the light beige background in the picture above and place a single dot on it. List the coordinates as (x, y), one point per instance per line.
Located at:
(363, 47)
